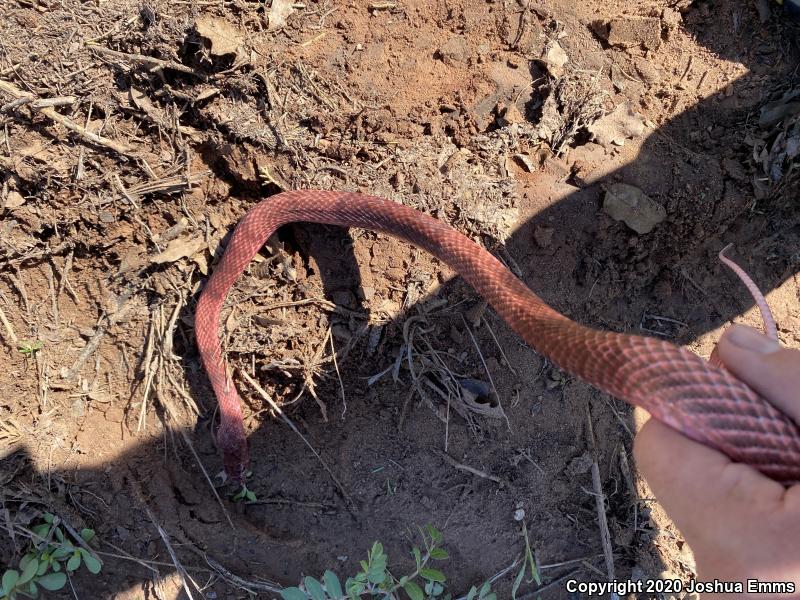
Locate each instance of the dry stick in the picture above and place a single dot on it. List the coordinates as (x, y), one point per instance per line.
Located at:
(49, 112)
(147, 60)
(14, 341)
(171, 410)
(486, 368)
(261, 392)
(137, 492)
(462, 467)
(249, 586)
(339, 376)
(94, 341)
(600, 501)
(499, 347)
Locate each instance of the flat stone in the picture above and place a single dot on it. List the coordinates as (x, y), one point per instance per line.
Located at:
(455, 50)
(630, 32)
(629, 204)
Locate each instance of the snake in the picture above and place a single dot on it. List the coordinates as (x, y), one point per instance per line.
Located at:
(701, 400)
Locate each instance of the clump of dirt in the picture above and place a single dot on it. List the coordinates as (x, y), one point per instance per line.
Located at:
(134, 136)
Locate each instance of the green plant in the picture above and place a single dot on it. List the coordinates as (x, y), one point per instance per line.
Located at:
(376, 581)
(527, 560)
(48, 561)
(244, 495)
(29, 349)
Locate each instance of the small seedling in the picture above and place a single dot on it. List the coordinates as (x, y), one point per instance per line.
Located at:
(245, 495)
(527, 560)
(29, 349)
(48, 561)
(376, 581)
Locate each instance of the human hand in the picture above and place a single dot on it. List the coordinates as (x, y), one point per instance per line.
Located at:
(740, 524)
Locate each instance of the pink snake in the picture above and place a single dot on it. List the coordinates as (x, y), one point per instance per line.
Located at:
(701, 400)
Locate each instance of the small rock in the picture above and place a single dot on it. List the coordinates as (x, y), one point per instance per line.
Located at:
(455, 50)
(366, 292)
(555, 57)
(647, 71)
(519, 514)
(78, 408)
(344, 298)
(474, 314)
(13, 200)
(616, 127)
(580, 464)
(543, 236)
(734, 169)
(627, 203)
(630, 32)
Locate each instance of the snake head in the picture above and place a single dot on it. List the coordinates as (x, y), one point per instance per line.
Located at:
(235, 454)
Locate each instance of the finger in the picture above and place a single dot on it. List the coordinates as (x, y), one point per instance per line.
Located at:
(693, 482)
(772, 371)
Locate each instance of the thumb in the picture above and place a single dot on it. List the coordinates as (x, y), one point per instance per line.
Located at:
(772, 371)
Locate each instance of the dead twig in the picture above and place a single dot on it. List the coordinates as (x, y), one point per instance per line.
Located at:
(155, 63)
(462, 467)
(49, 112)
(137, 492)
(600, 501)
(11, 338)
(262, 392)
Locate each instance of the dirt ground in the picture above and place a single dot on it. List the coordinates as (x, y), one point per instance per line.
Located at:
(515, 121)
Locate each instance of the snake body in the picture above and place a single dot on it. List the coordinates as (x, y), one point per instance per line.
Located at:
(704, 402)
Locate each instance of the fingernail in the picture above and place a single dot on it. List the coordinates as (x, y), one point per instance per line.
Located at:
(750, 339)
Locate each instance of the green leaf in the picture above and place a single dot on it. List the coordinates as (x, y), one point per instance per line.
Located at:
(87, 534)
(59, 534)
(63, 551)
(432, 575)
(43, 566)
(74, 562)
(49, 517)
(377, 550)
(473, 591)
(492, 596)
(354, 587)
(377, 576)
(91, 561)
(484, 590)
(56, 566)
(435, 534)
(23, 562)
(10, 579)
(378, 563)
(413, 590)
(250, 496)
(518, 581)
(28, 572)
(293, 593)
(332, 585)
(417, 556)
(33, 590)
(52, 581)
(439, 554)
(41, 530)
(314, 588)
